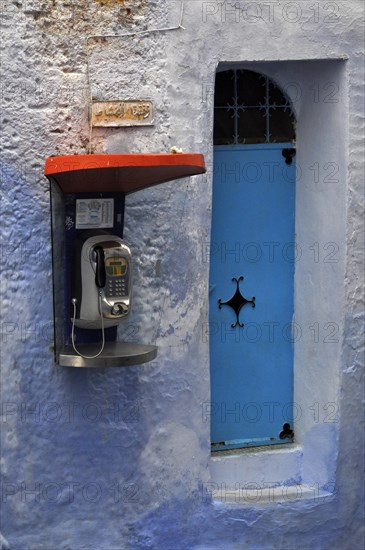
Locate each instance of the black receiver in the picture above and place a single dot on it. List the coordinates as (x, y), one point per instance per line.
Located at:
(100, 275)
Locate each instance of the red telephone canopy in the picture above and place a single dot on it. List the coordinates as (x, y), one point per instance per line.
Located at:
(120, 173)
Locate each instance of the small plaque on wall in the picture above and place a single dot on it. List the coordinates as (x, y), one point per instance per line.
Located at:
(125, 112)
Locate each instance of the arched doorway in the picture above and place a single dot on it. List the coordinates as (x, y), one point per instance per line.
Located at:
(252, 263)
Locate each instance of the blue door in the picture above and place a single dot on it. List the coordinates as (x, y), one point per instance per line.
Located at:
(252, 268)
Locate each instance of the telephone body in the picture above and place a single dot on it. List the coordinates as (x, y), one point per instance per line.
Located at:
(102, 283)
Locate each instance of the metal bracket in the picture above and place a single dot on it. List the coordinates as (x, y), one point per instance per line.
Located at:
(237, 302)
(288, 154)
(287, 432)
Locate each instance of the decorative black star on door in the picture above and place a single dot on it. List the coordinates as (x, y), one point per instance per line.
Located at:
(237, 302)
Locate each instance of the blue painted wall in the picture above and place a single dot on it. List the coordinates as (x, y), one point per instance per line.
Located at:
(120, 459)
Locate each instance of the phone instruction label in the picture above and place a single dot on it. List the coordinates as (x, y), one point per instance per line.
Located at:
(94, 213)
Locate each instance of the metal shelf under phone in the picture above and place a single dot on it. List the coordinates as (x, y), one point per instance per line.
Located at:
(114, 354)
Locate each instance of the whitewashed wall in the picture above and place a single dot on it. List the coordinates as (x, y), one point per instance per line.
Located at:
(121, 458)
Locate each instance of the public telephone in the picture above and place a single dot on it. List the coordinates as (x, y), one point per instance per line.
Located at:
(92, 268)
(101, 289)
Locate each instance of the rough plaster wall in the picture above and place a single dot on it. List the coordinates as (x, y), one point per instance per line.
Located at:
(117, 458)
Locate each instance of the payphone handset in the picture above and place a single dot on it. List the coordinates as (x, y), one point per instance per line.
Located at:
(102, 289)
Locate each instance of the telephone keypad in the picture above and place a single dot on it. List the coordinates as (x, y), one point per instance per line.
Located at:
(117, 287)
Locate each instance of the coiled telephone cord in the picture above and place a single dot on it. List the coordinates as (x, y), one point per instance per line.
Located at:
(74, 301)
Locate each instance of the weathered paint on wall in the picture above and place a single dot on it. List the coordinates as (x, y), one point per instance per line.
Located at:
(121, 458)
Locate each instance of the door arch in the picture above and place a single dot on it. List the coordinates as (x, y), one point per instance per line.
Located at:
(251, 291)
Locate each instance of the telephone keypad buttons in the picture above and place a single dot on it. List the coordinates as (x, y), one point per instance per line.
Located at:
(117, 286)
